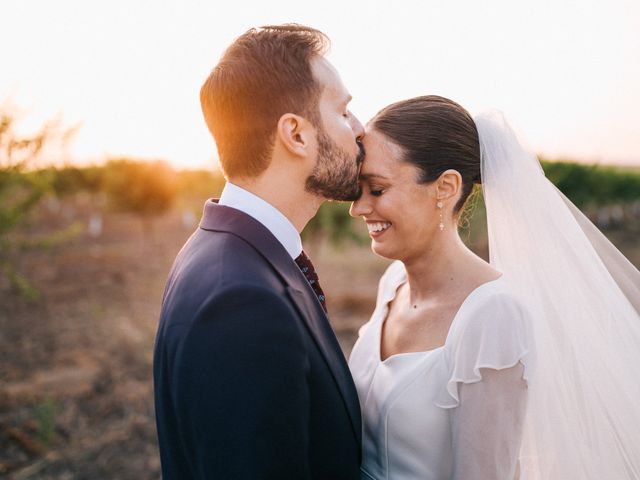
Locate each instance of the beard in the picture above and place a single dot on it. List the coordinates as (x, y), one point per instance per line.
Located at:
(335, 176)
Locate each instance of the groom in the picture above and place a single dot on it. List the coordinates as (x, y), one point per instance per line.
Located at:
(250, 382)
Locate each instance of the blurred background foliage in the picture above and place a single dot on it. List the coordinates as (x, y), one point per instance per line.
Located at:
(149, 189)
(594, 185)
(21, 189)
(84, 254)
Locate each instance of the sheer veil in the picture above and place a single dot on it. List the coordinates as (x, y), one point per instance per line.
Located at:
(583, 415)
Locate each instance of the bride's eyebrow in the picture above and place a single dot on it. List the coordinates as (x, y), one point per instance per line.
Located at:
(367, 176)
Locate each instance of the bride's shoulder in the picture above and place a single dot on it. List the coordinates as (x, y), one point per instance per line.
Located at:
(495, 310)
(494, 297)
(393, 275)
(492, 331)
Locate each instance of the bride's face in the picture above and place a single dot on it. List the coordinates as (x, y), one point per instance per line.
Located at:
(399, 212)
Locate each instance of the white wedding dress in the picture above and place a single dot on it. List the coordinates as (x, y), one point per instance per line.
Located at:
(474, 409)
(455, 412)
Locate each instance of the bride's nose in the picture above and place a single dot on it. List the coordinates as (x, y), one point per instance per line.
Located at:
(360, 207)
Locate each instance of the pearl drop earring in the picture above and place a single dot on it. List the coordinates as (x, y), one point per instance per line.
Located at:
(440, 205)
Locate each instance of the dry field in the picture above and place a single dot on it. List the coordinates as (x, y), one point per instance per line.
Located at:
(75, 366)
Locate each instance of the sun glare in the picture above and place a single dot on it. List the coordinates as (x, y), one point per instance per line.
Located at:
(128, 73)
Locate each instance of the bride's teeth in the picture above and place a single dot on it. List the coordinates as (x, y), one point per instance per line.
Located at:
(378, 227)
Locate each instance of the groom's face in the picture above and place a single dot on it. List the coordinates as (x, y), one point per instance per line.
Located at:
(339, 151)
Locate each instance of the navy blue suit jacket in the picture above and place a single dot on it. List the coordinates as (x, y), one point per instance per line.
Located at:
(250, 382)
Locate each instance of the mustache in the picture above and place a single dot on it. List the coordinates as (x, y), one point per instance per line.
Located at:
(361, 153)
(357, 192)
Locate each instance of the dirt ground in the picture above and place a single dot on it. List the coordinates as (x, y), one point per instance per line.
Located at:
(76, 397)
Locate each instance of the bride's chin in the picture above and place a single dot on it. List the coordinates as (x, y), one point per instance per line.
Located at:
(381, 251)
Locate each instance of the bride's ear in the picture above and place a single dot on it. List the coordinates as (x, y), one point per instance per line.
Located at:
(448, 185)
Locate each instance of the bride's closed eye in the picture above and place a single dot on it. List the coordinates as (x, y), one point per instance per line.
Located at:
(376, 192)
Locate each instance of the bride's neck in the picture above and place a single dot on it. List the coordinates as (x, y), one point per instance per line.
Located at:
(439, 269)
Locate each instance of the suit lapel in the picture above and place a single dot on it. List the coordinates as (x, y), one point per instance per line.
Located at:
(328, 344)
(226, 219)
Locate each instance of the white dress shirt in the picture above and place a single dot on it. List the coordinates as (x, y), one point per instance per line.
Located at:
(265, 213)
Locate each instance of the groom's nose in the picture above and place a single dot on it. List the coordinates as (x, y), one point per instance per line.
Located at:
(357, 127)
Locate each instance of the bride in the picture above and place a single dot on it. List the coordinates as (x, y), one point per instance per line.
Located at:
(524, 367)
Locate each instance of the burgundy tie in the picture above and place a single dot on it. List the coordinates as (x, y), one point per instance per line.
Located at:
(304, 262)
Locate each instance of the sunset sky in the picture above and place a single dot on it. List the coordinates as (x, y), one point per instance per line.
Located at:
(567, 73)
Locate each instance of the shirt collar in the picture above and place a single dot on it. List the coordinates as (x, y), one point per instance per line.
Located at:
(265, 213)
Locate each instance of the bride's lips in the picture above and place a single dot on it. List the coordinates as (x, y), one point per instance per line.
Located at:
(377, 227)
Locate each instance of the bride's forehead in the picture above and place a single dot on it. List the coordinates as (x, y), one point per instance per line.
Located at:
(381, 164)
(379, 148)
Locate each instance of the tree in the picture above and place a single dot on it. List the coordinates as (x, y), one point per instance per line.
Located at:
(145, 189)
(21, 188)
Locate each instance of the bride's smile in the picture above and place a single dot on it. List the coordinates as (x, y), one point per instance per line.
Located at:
(394, 202)
(377, 228)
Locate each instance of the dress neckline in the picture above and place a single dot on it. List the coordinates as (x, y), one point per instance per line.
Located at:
(380, 325)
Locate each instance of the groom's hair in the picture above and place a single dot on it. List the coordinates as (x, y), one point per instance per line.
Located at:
(265, 73)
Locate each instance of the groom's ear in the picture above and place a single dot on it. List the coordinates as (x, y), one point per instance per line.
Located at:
(295, 133)
(449, 184)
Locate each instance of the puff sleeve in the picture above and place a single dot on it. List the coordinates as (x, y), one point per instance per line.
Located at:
(490, 357)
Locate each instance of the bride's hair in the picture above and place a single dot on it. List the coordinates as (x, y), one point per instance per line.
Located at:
(436, 134)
